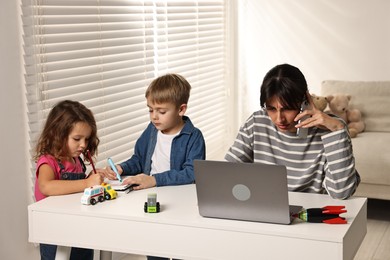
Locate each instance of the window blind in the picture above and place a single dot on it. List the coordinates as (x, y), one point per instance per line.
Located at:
(104, 53)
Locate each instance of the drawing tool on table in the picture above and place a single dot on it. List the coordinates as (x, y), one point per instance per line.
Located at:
(111, 163)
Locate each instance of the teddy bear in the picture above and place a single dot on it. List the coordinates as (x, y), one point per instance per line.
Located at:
(339, 105)
(319, 101)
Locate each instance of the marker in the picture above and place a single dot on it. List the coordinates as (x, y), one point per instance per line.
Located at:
(328, 214)
(90, 160)
(111, 163)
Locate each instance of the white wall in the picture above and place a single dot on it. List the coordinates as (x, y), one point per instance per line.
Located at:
(326, 39)
(14, 171)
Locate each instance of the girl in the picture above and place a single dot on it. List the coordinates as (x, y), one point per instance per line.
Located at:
(70, 131)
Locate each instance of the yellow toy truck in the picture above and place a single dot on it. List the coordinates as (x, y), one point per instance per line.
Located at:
(109, 192)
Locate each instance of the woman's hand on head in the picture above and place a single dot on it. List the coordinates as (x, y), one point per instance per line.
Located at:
(317, 118)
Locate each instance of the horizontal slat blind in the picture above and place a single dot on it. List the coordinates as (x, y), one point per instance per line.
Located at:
(104, 53)
(191, 41)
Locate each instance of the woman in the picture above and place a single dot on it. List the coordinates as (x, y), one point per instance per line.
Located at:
(321, 162)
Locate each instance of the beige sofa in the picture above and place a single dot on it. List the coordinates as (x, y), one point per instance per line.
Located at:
(372, 147)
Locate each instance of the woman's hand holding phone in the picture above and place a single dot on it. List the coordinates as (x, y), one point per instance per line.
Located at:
(310, 116)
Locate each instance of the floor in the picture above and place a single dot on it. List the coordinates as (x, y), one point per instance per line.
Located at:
(376, 244)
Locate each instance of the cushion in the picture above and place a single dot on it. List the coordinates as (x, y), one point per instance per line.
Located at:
(372, 98)
(372, 153)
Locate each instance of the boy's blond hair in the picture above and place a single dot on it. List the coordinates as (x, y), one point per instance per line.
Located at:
(170, 88)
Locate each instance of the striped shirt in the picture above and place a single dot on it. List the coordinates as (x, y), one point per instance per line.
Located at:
(321, 163)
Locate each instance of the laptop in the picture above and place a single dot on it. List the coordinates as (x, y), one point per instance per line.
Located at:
(243, 191)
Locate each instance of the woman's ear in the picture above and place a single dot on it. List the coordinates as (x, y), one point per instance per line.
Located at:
(182, 109)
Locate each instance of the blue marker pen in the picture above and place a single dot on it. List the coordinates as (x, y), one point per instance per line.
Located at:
(114, 169)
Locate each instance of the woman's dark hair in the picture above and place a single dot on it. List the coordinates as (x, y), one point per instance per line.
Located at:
(285, 82)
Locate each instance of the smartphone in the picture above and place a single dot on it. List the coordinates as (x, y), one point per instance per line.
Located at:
(302, 132)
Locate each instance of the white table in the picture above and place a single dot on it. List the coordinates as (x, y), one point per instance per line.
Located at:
(179, 231)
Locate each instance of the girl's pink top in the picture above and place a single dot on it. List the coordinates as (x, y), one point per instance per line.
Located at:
(52, 162)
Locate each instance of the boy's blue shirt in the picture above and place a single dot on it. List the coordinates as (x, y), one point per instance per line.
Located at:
(188, 145)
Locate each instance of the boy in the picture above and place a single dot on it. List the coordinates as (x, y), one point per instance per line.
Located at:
(164, 153)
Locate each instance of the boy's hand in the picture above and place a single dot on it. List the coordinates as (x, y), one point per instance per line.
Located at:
(142, 180)
(109, 173)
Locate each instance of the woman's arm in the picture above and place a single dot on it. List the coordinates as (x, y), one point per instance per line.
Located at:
(341, 177)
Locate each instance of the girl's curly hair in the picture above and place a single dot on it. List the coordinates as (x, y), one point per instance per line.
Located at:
(59, 124)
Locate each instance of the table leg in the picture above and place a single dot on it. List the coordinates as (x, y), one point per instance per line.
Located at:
(105, 255)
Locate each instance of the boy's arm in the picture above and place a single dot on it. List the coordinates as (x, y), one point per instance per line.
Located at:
(133, 165)
(183, 167)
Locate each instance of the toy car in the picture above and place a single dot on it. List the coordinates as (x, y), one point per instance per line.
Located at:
(152, 206)
(92, 195)
(109, 192)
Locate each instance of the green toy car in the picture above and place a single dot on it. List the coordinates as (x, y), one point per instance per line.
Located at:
(152, 206)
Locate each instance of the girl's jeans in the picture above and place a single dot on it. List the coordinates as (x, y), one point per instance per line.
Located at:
(48, 252)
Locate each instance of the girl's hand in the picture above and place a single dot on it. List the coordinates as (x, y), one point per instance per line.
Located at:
(142, 180)
(318, 118)
(94, 179)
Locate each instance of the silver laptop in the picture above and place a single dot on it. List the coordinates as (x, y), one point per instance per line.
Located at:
(243, 191)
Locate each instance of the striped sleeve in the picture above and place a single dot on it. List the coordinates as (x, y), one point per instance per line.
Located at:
(341, 177)
(242, 149)
(321, 163)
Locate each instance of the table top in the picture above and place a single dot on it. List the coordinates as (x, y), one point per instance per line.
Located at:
(179, 207)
